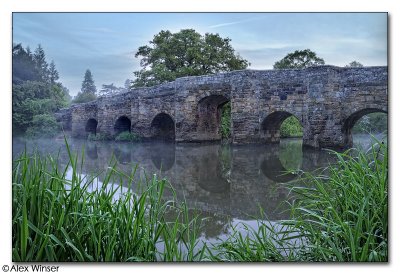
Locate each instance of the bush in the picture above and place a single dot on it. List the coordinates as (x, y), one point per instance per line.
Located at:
(99, 137)
(127, 136)
(291, 127)
(226, 121)
(84, 97)
(43, 125)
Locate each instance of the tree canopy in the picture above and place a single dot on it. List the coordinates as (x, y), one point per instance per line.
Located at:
(88, 85)
(36, 94)
(185, 53)
(299, 59)
(88, 90)
(354, 64)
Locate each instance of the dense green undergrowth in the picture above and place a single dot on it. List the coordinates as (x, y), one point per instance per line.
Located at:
(57, 216)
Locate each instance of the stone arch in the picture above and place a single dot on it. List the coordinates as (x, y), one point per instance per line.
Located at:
(91, 126)
(209, 110)
(122, 124)
(163, 127)
(352, 119)
(271, 124)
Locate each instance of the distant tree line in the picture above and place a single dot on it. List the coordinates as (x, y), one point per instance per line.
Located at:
(36, 93)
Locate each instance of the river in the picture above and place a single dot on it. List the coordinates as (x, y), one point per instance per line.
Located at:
(226, 184)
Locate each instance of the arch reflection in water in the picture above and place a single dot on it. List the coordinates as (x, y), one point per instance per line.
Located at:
(162, 155)
(214, 170)
(280, 160)
(123, 153)
(91, 151)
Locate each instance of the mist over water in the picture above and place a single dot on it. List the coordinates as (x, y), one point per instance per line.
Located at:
(225, 184)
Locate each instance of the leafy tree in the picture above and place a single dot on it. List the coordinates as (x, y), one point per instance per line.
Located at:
(43, 125)
(53, 73)
(299, 59)
(88, 90)
(88, 83)
(291, 127)
(108, 89)
(34, 98)
(35, 90)
(23, 68)
(127, 84)
(185, 53)
(41, 66)
(354, 64)
(84, 97)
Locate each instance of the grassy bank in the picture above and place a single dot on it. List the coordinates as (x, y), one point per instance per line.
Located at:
(56, 217)
(340, 218)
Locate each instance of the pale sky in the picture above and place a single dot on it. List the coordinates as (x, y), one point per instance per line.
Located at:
(106, 43)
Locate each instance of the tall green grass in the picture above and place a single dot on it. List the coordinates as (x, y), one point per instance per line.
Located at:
(342, 217)
(56, 218)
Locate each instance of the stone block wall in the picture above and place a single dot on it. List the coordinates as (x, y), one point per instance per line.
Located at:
(327, 100)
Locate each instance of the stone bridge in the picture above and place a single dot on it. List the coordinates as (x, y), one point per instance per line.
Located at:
(327, 100)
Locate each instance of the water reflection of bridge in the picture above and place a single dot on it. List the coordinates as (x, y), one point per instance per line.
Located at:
(230, 180)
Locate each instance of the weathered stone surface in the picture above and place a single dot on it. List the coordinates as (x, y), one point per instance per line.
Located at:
(327, 100)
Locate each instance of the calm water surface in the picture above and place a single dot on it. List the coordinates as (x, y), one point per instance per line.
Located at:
(226, 184)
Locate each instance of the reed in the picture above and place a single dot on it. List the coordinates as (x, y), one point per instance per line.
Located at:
(61, 217)
(338, 217)
(60, 214)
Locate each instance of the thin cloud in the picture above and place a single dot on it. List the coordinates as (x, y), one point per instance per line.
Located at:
(234, 23)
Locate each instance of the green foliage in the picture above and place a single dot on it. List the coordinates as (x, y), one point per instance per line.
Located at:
(35, 90)
(291, 127)
(34, 98)
(344, 217)
(88, 83)
(225, 127)
(84, 97)
(23, 68)
(185, 53)
(340, 218)
(291, 155)
(43, 125)
(60, 219)
(127, 136)
(371, 123)
(299, 59)
(354, 64)
(100, 137)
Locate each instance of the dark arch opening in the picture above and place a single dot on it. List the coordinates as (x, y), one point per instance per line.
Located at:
(122, 124)
(209, 113)
(91, 126)
(271, 126)
(352, 120)
(163, 127)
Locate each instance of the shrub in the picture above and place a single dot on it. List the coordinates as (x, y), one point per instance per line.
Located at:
(226, 121)
(99, 137)
(127, 136)
(291, 127)
(43, 125)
